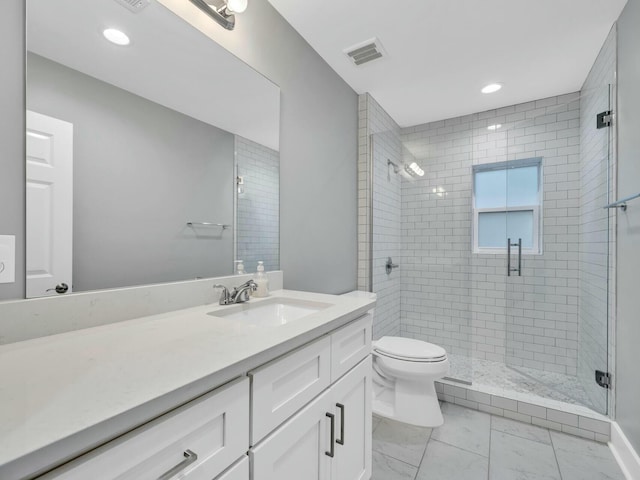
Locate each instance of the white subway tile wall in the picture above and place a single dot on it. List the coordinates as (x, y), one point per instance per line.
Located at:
(381, 137)
(258, 208)
(464, 301)
(364, 194)
(595, 225)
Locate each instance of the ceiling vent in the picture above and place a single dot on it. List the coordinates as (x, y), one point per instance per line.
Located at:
(365, 52)
(134, 6)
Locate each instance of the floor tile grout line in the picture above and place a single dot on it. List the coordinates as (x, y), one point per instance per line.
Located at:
(460, 448)
(396, 459)
(551, 445)
(515, 435)
(391, 456)
(424, 453)
(555, 455)
(490, 443)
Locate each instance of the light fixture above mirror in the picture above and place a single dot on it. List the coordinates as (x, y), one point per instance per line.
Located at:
(222, 11)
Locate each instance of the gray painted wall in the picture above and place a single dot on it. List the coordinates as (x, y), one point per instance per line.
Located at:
(627, 379)
(12, 168)
(318, 151)
(141, 171)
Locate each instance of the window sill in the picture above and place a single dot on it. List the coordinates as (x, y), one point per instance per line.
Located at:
(503, 251)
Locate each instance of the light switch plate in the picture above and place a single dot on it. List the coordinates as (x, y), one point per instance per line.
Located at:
(7, 258)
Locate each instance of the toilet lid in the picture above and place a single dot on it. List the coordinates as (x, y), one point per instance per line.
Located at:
(409, 348)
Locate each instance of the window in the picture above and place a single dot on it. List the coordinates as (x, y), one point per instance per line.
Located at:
(506, 204)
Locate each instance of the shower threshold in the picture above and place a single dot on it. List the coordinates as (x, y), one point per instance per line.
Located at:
(549, 400)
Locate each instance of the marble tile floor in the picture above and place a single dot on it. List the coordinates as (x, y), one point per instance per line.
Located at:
(474, 445)
(548, 385)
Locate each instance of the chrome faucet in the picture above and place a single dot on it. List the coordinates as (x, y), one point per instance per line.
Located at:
(238, 295)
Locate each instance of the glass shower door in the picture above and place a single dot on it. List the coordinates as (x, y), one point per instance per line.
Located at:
(558, 249)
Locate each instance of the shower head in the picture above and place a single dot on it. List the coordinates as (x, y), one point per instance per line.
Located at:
(396, 168)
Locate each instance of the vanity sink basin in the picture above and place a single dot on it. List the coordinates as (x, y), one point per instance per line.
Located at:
(271, 312)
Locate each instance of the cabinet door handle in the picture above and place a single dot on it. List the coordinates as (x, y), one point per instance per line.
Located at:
(332, 451)
(340, 441)
(189, 458)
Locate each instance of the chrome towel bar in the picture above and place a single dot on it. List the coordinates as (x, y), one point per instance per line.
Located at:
(622, 203)
(208, 224)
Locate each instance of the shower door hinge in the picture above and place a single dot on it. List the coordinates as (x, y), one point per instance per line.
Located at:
(603, 119)
(603, 379)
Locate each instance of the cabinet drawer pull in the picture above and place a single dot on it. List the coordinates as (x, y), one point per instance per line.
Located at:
(189, 458)
(331, 451)
(340, 441)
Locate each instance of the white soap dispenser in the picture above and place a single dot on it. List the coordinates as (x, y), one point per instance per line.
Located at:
(240, 267)
(262, 282)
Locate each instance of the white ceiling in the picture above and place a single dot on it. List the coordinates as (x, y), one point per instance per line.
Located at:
(168, 62)
(440, 53)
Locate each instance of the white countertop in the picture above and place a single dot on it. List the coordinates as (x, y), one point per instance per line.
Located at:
(64, 394)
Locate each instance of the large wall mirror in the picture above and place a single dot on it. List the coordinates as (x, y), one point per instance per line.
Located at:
(150, 162)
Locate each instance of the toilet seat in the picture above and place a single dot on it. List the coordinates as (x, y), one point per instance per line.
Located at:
(409, 349)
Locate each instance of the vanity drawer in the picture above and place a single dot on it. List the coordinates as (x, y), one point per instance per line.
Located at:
(214, 427)
(282, 387)
(349, 345)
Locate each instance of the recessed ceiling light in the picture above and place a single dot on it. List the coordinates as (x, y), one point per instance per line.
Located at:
(491, 88)
(494, 127)
(116, 36)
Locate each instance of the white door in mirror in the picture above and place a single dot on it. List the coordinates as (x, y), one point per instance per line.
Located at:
(7, 258)
(49, 205)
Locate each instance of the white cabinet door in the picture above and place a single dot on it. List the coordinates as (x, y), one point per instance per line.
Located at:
(297, 450)
(351, 397)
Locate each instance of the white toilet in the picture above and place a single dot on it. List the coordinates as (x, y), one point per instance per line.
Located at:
(404, 372)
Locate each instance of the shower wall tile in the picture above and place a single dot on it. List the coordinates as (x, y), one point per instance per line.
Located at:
(463, 301)
(258, 208)
(364, 195)
(595, 225)
(380, 142)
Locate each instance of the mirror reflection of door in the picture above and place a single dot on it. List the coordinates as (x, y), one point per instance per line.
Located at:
(49, 205)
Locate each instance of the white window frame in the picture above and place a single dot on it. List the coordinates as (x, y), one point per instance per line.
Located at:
(536, 249)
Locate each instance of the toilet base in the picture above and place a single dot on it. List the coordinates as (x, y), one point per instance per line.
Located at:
(415, 403)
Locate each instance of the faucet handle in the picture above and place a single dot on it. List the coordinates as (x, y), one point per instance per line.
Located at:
(224, 295)
(241, 293)
(250, 283)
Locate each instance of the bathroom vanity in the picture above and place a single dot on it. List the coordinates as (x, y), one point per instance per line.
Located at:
(210, 392)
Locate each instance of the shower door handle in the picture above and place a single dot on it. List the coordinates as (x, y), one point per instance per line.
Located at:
(509, 245)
